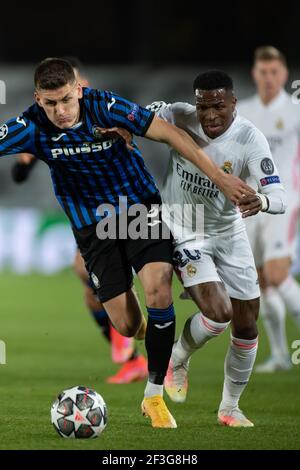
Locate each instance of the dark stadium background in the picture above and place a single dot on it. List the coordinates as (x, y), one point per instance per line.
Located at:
(157, 32)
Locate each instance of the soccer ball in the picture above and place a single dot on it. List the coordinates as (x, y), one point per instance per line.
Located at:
(79, 412)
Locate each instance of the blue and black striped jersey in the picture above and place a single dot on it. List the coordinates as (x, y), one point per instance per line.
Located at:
(86, 170)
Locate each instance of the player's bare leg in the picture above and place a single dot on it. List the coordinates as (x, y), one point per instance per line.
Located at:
(120, 353)
(91, 300)
(125, 313)
(213, 318)
(239, 361)
(122, 348)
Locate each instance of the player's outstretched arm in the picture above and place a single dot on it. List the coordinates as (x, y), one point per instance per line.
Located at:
(16, 137)
(231, 186)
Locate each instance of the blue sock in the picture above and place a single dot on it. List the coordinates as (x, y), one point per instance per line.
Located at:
(159, 341)
(102, 319)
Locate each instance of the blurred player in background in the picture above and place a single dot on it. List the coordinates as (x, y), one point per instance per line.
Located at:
(273, 239)
(123, 350)
(219, 272)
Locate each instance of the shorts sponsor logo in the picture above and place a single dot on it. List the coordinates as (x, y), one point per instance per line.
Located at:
(191, 270)
(3, 131)
(269, 180)
(267, 166)
(95, 280)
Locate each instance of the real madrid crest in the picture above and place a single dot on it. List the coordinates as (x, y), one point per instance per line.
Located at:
(279, 124)
(191, 270)
(227, 167)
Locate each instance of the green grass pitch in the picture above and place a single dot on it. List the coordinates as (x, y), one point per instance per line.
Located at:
(53, 344)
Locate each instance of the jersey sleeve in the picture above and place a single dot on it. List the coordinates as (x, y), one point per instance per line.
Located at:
(124, 113)
(262, 168)
(175, 113)
(162, 110)
(15, 136)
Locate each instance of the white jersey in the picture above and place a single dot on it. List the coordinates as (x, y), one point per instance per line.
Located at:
(279, 121)
(242, 150)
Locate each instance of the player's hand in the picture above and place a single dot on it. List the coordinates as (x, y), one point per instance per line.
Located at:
(22, 168)
(249, 205)
(232, 186)
(25, 158)
(117, 132)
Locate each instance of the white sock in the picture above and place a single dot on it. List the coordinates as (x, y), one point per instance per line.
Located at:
(153, 389)
(289, 290)
(238, 366)
(273, 315)
(197, 330)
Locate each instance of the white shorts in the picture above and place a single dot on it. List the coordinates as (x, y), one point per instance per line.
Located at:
(225, 258)
(273, 236)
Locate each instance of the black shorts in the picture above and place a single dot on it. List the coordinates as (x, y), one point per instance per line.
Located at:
(109, 262)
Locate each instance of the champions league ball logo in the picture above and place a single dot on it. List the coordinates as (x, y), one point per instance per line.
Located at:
(267, 166)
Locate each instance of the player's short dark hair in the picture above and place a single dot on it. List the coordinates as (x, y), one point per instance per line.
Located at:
(53, 73)
(212, 80)
(268, 53)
